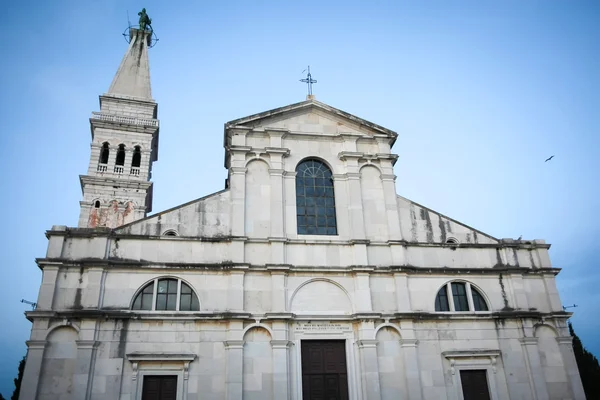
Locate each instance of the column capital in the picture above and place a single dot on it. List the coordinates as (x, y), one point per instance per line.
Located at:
(565, 340)
(36, 344)
(527, 341)
(87, 344)
(234, 344)
(409, 342)
(367, 343)
(281, 344)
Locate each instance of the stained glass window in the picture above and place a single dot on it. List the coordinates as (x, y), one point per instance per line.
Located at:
(315, 199)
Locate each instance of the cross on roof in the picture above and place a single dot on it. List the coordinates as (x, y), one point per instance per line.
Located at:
(309, 81)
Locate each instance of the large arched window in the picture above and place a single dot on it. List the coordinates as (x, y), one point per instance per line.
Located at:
(166, 294)
(459, 296)
(315, 201)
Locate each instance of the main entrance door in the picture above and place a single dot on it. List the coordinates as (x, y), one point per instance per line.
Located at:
(159, 387)
(324, 372)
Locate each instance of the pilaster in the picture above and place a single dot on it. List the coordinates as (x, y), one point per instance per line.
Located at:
(46, 293)
(33, 369)
(277, 222)
(534, 366)
(565, 344)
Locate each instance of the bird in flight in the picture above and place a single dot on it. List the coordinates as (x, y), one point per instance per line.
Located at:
(549, 158)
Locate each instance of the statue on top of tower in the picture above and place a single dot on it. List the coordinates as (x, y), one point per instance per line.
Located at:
(145, 20)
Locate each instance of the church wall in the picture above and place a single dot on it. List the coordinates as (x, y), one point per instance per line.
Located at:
(441, 349)
(205, 217)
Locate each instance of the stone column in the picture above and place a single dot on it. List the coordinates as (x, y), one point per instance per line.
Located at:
(235, 372)
(235, 292)
(391, 204)
(281, 378)
(91, 294)
(357, 224)
(46, 293)
(565, 344)
(83, 378)
(289, 206)
(276, 180)
(362, 292)
(33, 369)
(412, 367)
(534, 366)
(370, 369)
(402, 294)
(237, 187)
(278, 291)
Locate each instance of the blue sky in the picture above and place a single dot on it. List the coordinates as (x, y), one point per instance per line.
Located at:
(480, 93)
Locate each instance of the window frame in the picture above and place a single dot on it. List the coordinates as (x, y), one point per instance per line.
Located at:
(469, 293)
(154, 283)
(319, 213)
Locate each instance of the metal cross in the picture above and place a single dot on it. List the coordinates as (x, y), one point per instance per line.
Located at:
(309, 81)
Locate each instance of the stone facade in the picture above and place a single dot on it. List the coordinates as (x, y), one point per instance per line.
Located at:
(263, 289)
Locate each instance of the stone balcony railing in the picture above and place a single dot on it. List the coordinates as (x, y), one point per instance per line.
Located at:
(125, 120)
(102, 169)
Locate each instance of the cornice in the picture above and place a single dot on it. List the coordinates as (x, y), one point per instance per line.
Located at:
(229, 265)
(414, 316)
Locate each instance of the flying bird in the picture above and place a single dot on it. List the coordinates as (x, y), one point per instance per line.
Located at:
(549, 158)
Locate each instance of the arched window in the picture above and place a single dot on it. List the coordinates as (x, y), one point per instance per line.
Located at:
(459, 296)
(166, 294)
(137, 157)
(121, 155)
(170, 232)
(97, 204)
(315, 200)
(104, 152)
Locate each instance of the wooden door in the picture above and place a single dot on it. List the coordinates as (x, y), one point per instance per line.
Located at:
(324, 371)
(474, 384)
(159, 387)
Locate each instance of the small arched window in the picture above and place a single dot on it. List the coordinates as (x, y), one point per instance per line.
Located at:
(459, 297)
(97, 204)
(170, 232)
(121, 155)
(166, 294)
(137, 157)
(104, 153)
(315, 199)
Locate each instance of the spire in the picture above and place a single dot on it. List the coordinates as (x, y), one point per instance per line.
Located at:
(133, 76)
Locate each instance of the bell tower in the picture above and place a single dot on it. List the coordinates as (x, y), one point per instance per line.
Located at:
(117, 188)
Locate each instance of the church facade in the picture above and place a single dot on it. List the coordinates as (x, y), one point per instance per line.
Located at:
(307, 277)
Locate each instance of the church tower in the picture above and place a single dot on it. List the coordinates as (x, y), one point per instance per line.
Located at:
(117, 188)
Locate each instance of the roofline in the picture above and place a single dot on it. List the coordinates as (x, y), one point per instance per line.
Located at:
(451, 219)
(306, 104)
(170, 209)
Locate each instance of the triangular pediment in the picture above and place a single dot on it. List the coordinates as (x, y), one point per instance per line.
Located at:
(312, 117)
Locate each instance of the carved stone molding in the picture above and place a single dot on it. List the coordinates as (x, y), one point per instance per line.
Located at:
(234, 344)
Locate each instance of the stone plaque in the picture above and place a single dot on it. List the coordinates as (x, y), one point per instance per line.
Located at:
(323, 327)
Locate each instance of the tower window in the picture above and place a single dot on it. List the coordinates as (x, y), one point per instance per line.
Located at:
(97, 204)
(315, 199)
(459, 296)
(104, 152)
(137, 157)
(121, 155)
